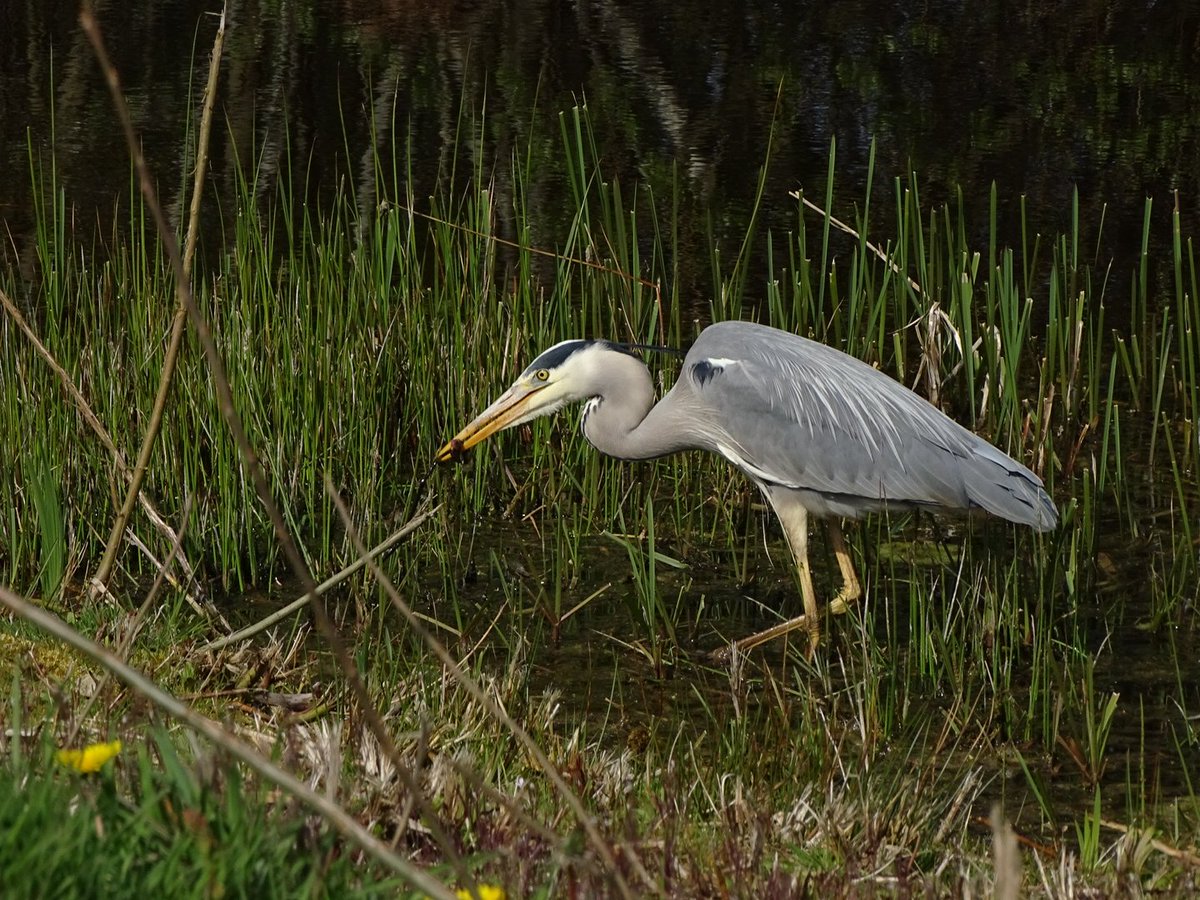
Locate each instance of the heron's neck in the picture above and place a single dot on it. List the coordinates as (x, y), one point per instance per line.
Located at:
(617, 420)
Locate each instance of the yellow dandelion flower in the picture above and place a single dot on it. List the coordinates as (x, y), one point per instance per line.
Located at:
(90, 758)
(485, 892)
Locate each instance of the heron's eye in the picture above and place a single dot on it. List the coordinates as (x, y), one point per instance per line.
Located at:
(542, 375)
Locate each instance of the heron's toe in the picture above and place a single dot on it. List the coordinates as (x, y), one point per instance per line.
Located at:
(840, 605)
(723, 655)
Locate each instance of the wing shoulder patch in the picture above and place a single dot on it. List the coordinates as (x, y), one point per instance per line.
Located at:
(706, 370)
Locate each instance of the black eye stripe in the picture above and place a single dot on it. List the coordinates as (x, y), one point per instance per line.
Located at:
(554, 357)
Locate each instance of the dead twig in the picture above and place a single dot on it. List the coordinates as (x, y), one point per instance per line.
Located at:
(494, 709)
(132, 627)
(1188, 857)
(89, 417)
(254, 468)
(842, 226)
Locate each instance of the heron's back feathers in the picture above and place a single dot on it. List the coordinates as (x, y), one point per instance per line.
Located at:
(801, 415)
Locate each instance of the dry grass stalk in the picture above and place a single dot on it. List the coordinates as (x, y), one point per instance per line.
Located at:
(345, 824)
(104, 571)
(254, 468)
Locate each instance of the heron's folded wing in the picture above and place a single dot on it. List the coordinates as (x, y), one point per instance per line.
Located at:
(813, 418)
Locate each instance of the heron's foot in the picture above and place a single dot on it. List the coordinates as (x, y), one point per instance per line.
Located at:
(840, 605)
(724, 655)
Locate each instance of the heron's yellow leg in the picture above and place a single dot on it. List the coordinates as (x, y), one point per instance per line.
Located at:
(794, 519)
(851, 589)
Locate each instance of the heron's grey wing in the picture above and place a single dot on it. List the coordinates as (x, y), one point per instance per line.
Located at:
(797, 413)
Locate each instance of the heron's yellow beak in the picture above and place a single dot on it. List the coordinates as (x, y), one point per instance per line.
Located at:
(515, 405)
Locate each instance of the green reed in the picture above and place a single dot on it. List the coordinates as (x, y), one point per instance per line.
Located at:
(43, 487)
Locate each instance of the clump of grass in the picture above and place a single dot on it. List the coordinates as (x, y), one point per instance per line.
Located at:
(159, 824)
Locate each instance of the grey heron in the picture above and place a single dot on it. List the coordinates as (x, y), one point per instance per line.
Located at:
(820, 432)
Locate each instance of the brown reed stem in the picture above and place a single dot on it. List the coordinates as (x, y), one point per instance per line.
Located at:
(107, 562)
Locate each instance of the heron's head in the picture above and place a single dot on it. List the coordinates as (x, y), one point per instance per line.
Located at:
(565, 373)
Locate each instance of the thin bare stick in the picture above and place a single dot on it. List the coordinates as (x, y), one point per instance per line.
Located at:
(230, 743)
(332, 581)
(535, 251)
(926, 337)
(493, 708)
(258, 475)
(89, 417)
(104, 571)
(874, 248)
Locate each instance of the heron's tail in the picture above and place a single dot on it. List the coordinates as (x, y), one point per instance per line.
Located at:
(999, 484)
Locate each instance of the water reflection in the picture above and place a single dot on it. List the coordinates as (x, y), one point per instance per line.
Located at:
(1040, 99)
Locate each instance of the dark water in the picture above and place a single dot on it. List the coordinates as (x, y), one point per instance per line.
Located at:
(1041, 99)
